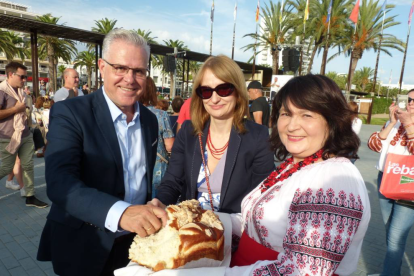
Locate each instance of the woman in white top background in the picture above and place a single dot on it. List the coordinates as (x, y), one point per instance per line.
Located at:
(397, 136)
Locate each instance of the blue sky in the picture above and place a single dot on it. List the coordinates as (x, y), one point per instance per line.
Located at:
(189, 21)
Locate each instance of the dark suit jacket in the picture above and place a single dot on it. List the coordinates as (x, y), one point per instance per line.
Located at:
(84, 176)
(249, 161)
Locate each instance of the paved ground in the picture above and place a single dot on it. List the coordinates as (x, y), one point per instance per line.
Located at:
(21, 226)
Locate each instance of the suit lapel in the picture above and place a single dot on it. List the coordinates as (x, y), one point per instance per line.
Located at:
(146, 136)
(232, 152)
(104, 121)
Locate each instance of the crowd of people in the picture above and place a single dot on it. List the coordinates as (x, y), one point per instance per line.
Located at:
(115, 158)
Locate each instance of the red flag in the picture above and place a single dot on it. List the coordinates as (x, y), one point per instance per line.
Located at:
(354, 13)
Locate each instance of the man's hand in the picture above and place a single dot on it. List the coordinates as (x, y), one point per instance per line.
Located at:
(20, 107)
(143, 219)
(156, 202)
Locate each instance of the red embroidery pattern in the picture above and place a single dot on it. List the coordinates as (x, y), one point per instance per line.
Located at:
(321, 227)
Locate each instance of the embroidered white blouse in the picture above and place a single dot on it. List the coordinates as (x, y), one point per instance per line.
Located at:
(396, 142)
(316, 219)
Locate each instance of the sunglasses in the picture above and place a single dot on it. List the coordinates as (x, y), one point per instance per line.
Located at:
(223, 90)
(22, 77)
(410, 99)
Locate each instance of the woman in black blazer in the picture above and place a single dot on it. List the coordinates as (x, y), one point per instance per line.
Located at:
(237, 155)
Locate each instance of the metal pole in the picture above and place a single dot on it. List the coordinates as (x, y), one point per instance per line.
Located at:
(376, 64)
(35, 68)
(172, 90)
(182, 81)
(211, 39)
(234, 39)
(254, 55)
(405, 55)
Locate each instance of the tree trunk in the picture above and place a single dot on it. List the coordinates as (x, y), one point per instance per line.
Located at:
(51, 57)
(311, 59)
(324, 58)
(55, 75)
(376, 64)
(89, 72)
(275, 62)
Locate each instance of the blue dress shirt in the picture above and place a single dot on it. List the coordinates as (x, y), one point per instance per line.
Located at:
(133, 162)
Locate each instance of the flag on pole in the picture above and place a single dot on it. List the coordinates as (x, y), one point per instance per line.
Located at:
(306, 17)
(257, 10)
(354, 13)
(235, 12)
(212, 12)
(281, 13)
(383, 6)
(411, 14)
(328, 18)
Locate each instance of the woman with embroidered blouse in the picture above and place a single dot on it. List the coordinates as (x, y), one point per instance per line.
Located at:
(397, 136)
(219, 156)
(310, 215)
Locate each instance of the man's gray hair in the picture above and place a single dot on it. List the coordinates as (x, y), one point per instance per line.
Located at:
(126, 36)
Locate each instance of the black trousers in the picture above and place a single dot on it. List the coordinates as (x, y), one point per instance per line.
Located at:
(118, 257)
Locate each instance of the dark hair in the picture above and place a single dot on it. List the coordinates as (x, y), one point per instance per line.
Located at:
(149, 95)
(13, 66)
(321, 95)
(39, 102)
(163, 104)
(177, 103)
(354, 108)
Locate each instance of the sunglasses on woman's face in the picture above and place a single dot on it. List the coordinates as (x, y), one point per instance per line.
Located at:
(223, 90)
(410, 99)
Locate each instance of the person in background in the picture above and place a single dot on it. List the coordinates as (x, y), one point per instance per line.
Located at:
(259, 109)
(396, 136)
(70, 88)
(310, 215)
(165, 133)
(356, 122)
(185, 114)
(39, 140)
(218, 157)
(163, 104)
(85, 89)
(16, 138)
(42, 88)
(176, 107)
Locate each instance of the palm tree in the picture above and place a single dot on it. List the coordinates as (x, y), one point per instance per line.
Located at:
(6, 44)
(104, 25)
(338, 22)
(363, 77)
(146, 35)
(367, 34)
(272, 33)
(20, 49)
(87, 59)
(61, 68)
(54, 48)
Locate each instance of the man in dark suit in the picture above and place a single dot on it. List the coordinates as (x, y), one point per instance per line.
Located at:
(99, 163)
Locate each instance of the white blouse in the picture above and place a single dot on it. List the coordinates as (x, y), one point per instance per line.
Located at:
(316, 219)
(398, 144)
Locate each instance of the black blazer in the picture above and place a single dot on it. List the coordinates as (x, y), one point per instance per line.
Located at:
(84, 176)
(249, 161)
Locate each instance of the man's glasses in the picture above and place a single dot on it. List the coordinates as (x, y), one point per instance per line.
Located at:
(410, 99)
(223, 90)
(121, 70)
(22, 77)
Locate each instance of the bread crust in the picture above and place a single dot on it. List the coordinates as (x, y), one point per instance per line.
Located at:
(191, 233)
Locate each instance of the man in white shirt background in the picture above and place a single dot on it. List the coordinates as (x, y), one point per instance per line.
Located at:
(70, 87)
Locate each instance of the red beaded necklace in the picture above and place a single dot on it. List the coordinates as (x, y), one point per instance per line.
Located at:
(216, 153)
(275, 176)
